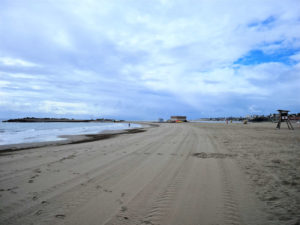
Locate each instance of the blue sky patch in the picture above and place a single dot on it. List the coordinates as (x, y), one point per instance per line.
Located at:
(255, 57)
(266, 22)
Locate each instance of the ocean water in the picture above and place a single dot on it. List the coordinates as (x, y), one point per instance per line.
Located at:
(16, 133)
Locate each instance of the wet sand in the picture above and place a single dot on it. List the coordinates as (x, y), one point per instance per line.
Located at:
(190, 173)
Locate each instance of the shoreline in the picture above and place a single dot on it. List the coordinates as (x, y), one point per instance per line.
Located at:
(74, 139)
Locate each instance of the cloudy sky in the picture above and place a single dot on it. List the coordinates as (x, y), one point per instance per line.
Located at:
(146, 59)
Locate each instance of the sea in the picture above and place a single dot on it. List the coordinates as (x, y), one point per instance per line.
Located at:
(17, 133)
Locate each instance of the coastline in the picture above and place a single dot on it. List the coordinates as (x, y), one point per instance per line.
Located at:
(75, 139)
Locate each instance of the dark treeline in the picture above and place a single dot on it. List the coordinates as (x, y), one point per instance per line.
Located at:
(34, 119)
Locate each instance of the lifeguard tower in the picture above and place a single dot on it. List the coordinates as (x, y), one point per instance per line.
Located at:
(284, 117)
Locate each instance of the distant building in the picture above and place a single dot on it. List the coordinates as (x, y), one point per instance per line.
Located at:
(160, 120)
(178, 119)
(294, 118)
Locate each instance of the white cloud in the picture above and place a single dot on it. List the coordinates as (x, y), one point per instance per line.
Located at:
(253, 109)
(7, 61)
(296, 57)
(20, 75)
(75, 108)
(63, 39)
(63, 107)
(4, 83)
(105, 53)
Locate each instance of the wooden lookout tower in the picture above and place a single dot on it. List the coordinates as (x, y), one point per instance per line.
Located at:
(284, 117)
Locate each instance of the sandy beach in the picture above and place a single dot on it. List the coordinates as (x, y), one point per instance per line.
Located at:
(176, 174)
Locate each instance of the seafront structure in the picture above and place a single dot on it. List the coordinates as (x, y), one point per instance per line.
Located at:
(178, 119)
(283, 117)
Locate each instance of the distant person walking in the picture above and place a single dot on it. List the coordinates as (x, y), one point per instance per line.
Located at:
(128, 124)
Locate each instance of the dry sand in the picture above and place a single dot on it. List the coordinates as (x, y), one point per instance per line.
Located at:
(177, 174)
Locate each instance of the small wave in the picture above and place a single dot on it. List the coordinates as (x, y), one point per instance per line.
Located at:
(29, 130)
(28, 138)
(51, 132)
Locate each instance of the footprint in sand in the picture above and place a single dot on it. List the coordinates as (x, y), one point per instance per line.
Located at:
(10, 189)
(38, 170)
(120, 201)
(39, 212)
(60, 216)
(35, 176)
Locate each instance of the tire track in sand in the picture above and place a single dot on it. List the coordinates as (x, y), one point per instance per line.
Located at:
(82, 185)
(163, 203)
(152, 204)
(231, 211)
